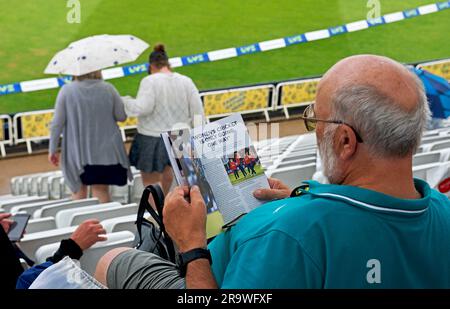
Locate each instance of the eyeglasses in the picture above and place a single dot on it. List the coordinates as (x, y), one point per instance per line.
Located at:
(309, 116)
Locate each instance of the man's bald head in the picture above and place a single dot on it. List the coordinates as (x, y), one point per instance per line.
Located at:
(383, 74)
(380, 99)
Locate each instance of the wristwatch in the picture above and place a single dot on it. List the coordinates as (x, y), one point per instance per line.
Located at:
(185, 258)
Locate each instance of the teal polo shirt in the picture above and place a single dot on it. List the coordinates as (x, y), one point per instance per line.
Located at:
(336, 236)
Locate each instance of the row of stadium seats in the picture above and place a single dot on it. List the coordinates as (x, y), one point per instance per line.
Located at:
(33, 126)
(51, 185)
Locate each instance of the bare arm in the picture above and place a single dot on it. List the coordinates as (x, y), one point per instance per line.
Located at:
(189, 233)
(199, 275)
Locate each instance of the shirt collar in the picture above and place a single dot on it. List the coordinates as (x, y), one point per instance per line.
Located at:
(373, 200)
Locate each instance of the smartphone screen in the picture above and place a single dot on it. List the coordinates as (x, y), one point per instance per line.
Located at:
(18, 227)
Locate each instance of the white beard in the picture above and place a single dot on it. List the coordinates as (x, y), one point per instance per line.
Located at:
(329, 158)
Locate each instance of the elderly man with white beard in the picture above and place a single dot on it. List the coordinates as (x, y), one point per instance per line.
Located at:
(372, 226)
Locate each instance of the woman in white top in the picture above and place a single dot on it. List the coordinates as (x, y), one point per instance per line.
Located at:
(165, 101)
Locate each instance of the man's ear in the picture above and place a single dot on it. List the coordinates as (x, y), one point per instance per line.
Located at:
(346, 143)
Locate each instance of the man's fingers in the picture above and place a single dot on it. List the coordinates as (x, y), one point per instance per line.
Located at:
(102, 238)
(269, 194)
(185, 190)
(100, 230)
(196, 196)
(180, 190)
(91, 221)
(4, 216)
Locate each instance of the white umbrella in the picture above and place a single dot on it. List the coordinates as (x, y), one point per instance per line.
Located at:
(95, 53)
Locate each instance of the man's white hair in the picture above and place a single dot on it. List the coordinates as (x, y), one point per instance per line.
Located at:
(386, 129)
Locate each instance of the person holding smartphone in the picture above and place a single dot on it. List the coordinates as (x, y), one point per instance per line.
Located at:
(86, 235)
(11, 268)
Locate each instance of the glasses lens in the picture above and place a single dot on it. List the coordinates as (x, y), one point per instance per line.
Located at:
(309, 113)
(310, 125)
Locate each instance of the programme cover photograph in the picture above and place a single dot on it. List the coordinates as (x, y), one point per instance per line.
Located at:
(242, 165)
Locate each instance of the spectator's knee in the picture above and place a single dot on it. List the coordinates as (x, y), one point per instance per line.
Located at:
(101, 270)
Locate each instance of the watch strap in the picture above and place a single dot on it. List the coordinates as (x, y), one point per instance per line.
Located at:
(185, 258)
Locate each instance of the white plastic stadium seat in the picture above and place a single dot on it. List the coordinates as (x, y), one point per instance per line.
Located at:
(63, 217)
(91, 256)
(52, 210)
(294, 175)
(102, 214)
(125, 223)
(40, 225)
(299, 155)
(119, 193)
(30, 242)
(31, 208)
(7, 205)
(426, 158)
(136, 189)
(440, 145)
(303, 161)
(7, 197)
(434, 146)
(434, 139)
(43, 182)
(420, 171)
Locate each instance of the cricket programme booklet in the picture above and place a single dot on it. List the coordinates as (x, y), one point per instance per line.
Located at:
(220, 159)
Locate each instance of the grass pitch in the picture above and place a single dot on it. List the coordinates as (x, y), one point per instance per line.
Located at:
(32, 31)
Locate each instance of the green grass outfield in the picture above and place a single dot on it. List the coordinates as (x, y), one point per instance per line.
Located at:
(32, 31)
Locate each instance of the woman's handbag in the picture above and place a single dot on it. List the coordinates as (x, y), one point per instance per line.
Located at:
(149, 237)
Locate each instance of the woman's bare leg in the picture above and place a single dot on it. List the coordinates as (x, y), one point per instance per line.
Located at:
(151, 178)
(101, 192)
(81, 194)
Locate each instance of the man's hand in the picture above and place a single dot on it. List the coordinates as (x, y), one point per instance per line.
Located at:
(88, 233)
(5, 222)
(185, 222)
(277, 191)
(53, 158)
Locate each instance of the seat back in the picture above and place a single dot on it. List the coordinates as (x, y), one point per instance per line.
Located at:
(420, 171)
(52, 210)
(426, 158)
(293, 176)
(440, 145)
(102, 214)
(9, 204)
(125, 223)
(137, 187)
(64, 217)
(302, 161)
(31, 208)
(41, 224)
